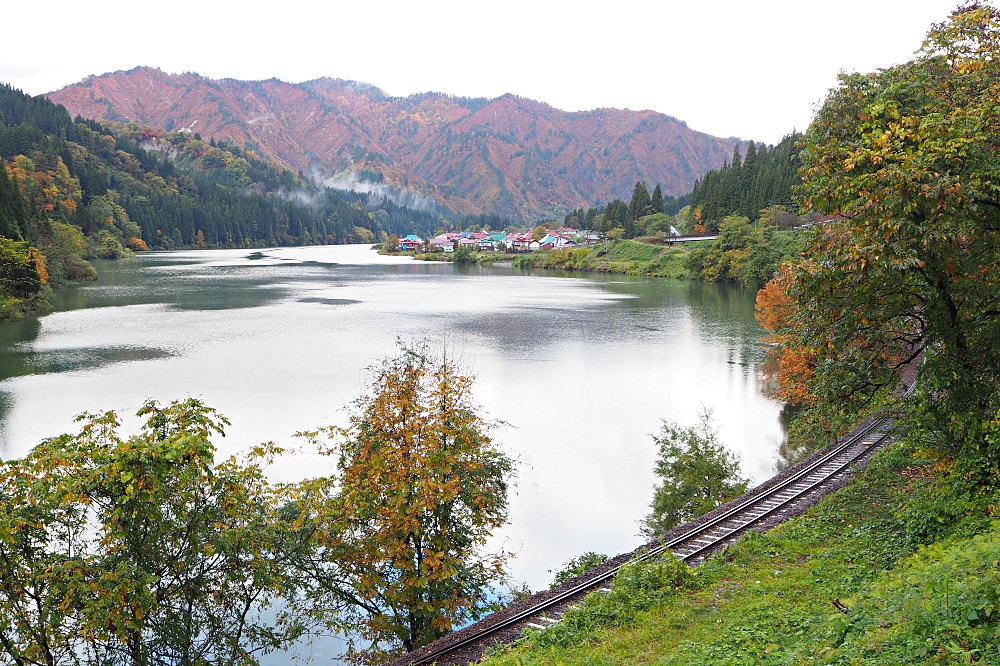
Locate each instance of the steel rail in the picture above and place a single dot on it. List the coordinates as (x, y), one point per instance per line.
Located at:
(800, 490)
(731, 512)
(815, 466)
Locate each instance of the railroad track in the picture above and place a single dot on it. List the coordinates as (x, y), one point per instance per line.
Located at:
(786, 495)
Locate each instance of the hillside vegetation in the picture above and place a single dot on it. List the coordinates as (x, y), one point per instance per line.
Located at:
(509, 155)
(135, 550)
(74, 188)
(897, 284)
(769, 599)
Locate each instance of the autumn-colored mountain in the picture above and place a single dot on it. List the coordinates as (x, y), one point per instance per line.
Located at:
(507, 155)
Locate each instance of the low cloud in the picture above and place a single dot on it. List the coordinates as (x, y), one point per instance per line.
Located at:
(349, 181)
(310, 199)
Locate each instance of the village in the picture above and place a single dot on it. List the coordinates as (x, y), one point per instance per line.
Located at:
(485, 241)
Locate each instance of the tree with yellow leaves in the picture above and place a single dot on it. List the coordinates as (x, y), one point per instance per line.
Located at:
(907, 163)
(401, 527)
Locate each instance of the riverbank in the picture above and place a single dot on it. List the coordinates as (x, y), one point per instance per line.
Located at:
(626, 257)
(853, 581)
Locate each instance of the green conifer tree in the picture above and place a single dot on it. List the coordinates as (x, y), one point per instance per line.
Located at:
(657, 201)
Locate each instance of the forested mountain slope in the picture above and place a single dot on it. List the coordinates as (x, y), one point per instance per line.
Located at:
(166, 187)
(508, 155)
(72, 189)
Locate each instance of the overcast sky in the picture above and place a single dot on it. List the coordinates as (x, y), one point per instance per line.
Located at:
(755, 70)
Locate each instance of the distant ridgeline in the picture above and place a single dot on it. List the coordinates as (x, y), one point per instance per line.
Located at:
(172, 189)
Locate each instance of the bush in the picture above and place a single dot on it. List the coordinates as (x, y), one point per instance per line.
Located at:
(107, 246)
(137, 245)
(463, 256)
(696, 474)
(942, 606)
(637, 587)
(580, 564)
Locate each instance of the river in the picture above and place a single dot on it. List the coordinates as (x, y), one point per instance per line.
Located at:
(582, 367)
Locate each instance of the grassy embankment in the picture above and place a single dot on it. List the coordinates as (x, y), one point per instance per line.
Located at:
(768, 599)
(626, 256)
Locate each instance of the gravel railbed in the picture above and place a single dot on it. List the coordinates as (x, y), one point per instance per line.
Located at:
(475, 651)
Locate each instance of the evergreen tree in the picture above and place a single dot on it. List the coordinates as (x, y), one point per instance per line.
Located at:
(748, 185)
(657, 201)
(639, 205)
(614, 215)
(232, 196)
(13, 209)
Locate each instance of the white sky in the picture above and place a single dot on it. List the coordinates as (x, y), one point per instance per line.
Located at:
(756, 70)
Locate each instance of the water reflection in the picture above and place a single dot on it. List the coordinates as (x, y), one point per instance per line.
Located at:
(18, 362)
(328, 301)
(582, 367)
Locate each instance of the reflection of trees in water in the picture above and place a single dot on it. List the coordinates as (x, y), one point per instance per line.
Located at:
(19, 359)
(15, 332)
(792, 450)
(183, 285)
(798, 443)
(6, 404)
(723, 315)
(22, 362)
(529, 330)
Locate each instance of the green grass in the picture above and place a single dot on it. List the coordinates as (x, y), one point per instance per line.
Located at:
(626, 256)
(630, 250)
(636, 258)
(768, 599)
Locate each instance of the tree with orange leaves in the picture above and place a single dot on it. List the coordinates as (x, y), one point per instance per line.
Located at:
(793, 362)
(699, 227)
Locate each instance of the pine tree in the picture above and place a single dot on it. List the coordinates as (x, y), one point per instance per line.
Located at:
(13, 209)
(657, 202)
(639, 205)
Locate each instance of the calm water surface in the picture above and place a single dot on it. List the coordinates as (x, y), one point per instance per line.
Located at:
(582, 368)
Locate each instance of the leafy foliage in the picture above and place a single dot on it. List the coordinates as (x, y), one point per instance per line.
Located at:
(464, 256)
(745, 254)
(793, 364)
(578, 565)
(907, 158)
(697, 473)
(140, 551)
(401, 527)
(19, 270)
(620, 256)
(638, 586)
(941, 606)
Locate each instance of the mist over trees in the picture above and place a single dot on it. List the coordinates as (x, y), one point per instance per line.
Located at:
(173, 184)
(74, 189)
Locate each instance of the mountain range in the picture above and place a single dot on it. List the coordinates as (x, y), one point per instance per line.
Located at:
(509, 155)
